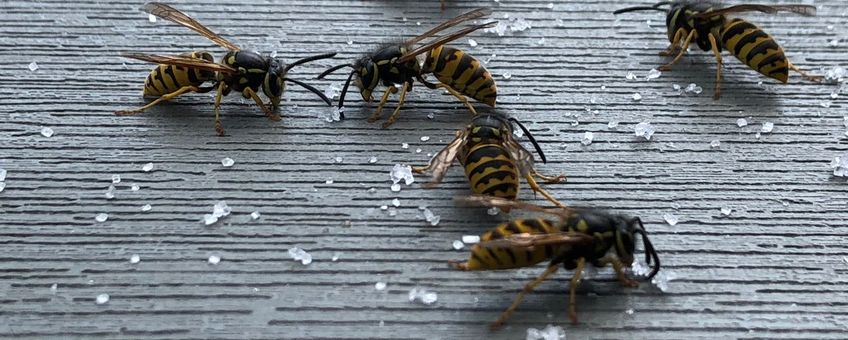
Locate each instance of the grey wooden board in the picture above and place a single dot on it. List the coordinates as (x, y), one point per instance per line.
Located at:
(775, 268)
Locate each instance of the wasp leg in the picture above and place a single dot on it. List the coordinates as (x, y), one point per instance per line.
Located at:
(459, 96)
(219, 128)
(674, 47)
(458, 265)
(667, 67)
(403, 91)
(620, 271)
(536, 188)
(575, 279)
(528, 288)
(717, 52)
(162, 98)
(806, 75)
(550, 179)
(389, 90)
(252, 94)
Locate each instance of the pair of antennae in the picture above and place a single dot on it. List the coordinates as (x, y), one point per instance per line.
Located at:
(305, 85)
(650, 252)
(346, 85)
(655, 7)
(530, 137)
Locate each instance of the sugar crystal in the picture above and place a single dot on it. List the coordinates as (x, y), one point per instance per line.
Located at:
(726, 211)
(653, 74)
(116, 179)
(47, 132)
(102, 299)
(767, 127)
(457, 245)
(147, 167)
(550, 332)
(146, 207)
(32, 66)
(588, 136)
(227, 162)
(470, 239)
(214, 259)
(741, 122)
(255, 215)
(300, 255)
(472, 42)
(101, 217)
(644, 130)
(135, 259)
(715, 143)
(670, 218)
(380, 286)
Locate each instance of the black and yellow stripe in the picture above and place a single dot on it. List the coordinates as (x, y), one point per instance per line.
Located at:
(462, 72)
(491, 257)
(755, 48)
(165, 79)
(488, 165)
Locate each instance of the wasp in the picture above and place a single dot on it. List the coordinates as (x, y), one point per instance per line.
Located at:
(493, 160)
(705, 23)
(399, 64)
(241, 70)
(578, 237)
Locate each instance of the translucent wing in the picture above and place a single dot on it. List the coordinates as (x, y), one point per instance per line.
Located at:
(503, 203)
(477, 13)
(522, 157)
(529, 241)
(184, 61)
(442, 161)
(169, 13)
(443, 40)
(805, 10)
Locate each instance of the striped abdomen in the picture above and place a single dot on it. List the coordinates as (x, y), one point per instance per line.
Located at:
(490, 170)
(755, 48)
(462, 72)
(166, 79)
(491, 256)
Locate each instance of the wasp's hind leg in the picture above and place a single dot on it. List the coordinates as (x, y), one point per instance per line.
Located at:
(806, 75)
(162, 98)
(528, 288)
(536, 188)
(219, 128)
(575, 279)
(717, 52)
(459, 96)
(550, 179)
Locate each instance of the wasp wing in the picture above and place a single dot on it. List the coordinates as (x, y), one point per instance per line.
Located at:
(169, 13)
(530, 241)
(477, 13)
(442, 161)
(522, 157)
(805, 10)
(183, 61)
(443, 40)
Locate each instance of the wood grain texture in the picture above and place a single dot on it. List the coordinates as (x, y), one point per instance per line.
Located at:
(775, 268)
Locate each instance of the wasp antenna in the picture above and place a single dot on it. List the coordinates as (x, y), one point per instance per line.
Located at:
(650, 252)
(654, 7)
(530, 137)
(310, 88)
(344, 92)
(333, 69)
(312, 58)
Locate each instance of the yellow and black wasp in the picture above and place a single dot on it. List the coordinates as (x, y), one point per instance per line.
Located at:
(578, 237)
(240, 70)
(398, 64)
(493, 160)
(705, 23)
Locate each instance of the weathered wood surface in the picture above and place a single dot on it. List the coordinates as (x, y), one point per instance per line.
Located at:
(775, 268)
